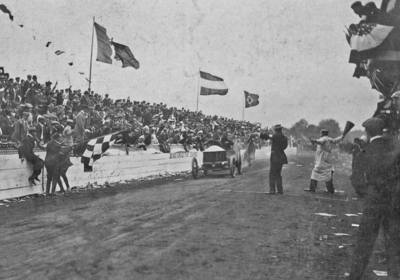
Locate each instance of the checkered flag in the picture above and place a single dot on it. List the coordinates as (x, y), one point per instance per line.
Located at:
(95, 149)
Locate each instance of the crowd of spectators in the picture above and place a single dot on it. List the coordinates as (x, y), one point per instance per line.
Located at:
(30, 102)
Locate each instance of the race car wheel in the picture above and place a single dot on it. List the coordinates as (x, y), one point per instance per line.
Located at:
(195, 168)
(233, 168)
(239, 165)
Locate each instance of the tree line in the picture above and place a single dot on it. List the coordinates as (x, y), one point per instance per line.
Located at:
(303, 129)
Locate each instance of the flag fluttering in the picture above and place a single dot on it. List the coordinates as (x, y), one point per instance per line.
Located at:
(124, 54)
(249, 154)
(211, 85)
(4, 9)
(95, 149)
(104, 50)
(251, 99)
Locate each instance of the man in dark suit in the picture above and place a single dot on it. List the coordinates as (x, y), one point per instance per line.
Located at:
(278, 158)
(375, 171)
(54, 163)
(25, 151)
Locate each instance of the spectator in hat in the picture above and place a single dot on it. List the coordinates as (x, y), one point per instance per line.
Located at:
(26, 86)
(358, 8)
(25, 151)
(20, 129)
(375, 177)
(323, 169)
(163, 140)
(80, 129)
(278, 158)
(85, 99)
(198, 141)
(28, 108)
(42, 129)
(68, 133)
(7, 123)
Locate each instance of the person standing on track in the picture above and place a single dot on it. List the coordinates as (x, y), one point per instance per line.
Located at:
(323, 169)
(278, 158)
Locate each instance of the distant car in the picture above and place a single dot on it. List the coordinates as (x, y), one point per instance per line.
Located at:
(218, 158)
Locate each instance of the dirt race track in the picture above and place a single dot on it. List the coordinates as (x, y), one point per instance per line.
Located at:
(216, 227)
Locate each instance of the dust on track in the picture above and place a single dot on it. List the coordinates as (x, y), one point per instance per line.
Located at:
(215, 227)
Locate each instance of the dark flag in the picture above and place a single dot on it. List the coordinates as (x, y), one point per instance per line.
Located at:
(251, 99)
(95, 148)
(104, 50)
(48, 44)
(4, 9)
(59, 52)
(124, 54)
(211, 85)
(71, 63)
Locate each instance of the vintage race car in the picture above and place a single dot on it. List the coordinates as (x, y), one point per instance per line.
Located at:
(219, 158)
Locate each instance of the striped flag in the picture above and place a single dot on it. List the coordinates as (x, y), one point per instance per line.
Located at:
(251, 99)
(95, 149)
(211, 85)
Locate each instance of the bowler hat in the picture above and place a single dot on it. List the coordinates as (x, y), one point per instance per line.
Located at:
(277, 126)
(356, 4)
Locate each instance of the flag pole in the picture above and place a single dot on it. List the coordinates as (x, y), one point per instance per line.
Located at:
(91, 55)
(198, 92)
(244, 105)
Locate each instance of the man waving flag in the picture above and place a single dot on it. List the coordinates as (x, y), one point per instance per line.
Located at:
(251, 99)
(211, 85)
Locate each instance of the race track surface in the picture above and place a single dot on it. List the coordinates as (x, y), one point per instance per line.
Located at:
(215, 227)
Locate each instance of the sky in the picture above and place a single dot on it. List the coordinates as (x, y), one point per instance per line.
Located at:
(293, 53)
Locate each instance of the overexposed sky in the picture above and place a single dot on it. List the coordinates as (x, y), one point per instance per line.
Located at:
(293, 53)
